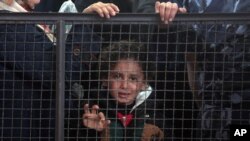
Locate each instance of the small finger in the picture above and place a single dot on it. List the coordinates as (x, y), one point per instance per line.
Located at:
(107, 123)
(103, 119)
(101, 116)
(86, 108)
(94, 109)
(99, 11)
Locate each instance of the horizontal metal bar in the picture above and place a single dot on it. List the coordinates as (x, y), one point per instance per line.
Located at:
(123, 17)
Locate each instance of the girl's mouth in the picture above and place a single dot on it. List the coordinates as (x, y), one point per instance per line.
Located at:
(123, 95)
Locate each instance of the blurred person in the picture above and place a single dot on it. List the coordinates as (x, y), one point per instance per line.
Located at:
(220, 78)
(29, 6)
(28, 75)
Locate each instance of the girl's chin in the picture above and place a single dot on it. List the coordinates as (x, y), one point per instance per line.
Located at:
(124, 102)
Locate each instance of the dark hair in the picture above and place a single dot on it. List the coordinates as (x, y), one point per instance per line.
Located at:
(126, 50)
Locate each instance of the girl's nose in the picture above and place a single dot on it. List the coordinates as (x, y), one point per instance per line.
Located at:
(124, 84)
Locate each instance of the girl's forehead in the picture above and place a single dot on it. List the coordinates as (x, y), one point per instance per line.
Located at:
(128, 64)
(128, 67)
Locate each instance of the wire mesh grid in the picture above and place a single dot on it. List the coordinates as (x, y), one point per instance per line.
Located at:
(123, 81)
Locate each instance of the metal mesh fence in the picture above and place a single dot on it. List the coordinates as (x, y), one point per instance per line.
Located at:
(80, 77)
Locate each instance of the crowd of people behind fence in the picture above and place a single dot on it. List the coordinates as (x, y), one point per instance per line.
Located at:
(220, 90)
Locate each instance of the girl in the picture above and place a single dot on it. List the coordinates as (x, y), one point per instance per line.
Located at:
(125, 108)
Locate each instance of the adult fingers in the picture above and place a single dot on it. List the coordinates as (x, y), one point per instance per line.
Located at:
(114, 7)
(173, 11)
(182, 10)
(99, 9)
(157, 7)
(96, 7)
(166, 10)
(105, 11)
(110, 9)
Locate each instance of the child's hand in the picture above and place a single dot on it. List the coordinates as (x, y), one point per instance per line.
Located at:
(94, 120)
(103, 9)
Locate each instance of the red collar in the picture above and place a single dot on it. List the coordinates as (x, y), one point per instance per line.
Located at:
(125, 119)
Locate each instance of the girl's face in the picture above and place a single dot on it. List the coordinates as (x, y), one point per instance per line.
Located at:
(125, 81)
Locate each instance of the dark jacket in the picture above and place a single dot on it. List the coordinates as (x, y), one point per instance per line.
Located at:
(28, 74)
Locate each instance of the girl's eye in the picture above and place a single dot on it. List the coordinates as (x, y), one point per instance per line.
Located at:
(133, 78)
(116, 76)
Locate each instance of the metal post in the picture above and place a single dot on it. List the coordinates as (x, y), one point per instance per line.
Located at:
(60, 80)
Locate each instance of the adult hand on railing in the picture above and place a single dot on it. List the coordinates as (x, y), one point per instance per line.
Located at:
(102, 9)
(168, 10)
(94, 119)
